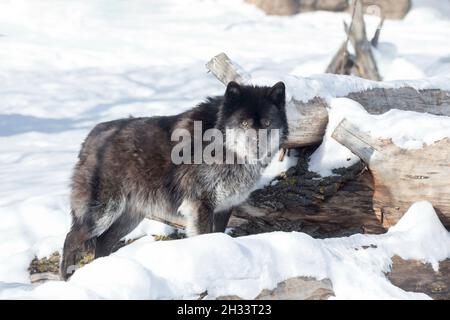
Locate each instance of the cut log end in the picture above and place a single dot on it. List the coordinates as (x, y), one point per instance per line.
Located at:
(401, 177)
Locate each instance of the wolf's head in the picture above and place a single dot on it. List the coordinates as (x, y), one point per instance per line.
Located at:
(254, 120)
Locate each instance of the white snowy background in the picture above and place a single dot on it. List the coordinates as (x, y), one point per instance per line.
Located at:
(67, 65)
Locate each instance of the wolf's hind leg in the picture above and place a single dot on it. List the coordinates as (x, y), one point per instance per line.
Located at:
(75, 239)
(121, 227)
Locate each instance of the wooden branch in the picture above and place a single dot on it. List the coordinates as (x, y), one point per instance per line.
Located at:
(391, 9)
(282, 154)
(44, 277)
(365, 61)
(175, 222)
(347, 60)
(223, 69)
(291, 7)
(376, 36)
(401, 177)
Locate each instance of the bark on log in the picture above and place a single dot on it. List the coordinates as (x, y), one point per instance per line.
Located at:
(308, 120)
(412, 275)
(387, 8)
(376, 36)
(308, 123)
(401, 177)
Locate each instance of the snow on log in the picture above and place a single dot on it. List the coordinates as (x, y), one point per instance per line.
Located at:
(307, 120)
(401, 176)
(224, 69)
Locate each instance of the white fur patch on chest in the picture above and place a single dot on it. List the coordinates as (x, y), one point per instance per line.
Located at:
(232, 192)
(226, 202)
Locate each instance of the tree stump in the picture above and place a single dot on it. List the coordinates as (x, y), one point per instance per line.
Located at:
(401, 177)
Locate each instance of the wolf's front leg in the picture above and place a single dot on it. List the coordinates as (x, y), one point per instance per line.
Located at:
(221, 219)
(199, 217)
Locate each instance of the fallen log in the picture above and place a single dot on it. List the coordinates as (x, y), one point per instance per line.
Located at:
(307, 121)
(342, 62)
(401, 176)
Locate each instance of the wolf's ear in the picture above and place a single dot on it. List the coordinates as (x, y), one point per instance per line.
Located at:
(233, 91)
(278, 94)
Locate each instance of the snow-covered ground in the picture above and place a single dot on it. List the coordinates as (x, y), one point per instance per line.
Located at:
(244, 266)
(66, 65)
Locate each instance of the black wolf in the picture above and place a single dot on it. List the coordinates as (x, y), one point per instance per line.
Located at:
(125, 171)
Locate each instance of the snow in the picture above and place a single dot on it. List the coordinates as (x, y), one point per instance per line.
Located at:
(222, 265)
(65, 66)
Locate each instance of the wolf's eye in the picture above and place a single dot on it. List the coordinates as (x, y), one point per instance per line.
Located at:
(266, 123)
(244, 123)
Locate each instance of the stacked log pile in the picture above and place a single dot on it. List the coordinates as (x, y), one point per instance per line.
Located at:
(400, 177)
